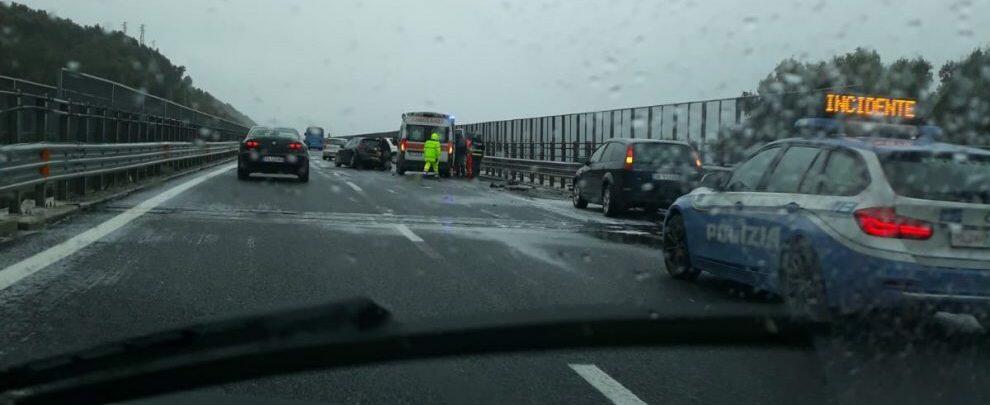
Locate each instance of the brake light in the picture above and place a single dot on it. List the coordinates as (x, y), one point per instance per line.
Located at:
(450, 148)
(629, 157)
(885, 223)
(251, 144)
(402, 145)
(697, 159)
(296, 146)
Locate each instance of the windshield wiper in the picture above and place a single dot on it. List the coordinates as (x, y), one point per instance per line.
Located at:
(354, 332)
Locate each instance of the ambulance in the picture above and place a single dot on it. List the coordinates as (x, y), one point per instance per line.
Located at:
(415, 130)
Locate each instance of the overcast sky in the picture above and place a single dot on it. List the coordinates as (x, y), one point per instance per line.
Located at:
(354, 66)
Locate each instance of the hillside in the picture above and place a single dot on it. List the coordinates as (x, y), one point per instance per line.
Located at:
(35, 45)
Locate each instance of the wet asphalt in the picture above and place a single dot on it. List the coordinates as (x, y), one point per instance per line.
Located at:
(427, 249)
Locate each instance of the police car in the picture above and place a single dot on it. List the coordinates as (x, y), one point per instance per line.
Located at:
(838, 225)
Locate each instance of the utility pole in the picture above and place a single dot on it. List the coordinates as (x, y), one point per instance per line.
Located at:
(141, 38)
(123, 27)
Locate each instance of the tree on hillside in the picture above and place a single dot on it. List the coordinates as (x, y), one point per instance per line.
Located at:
(796, 89)
(962, 103)
(35, 46)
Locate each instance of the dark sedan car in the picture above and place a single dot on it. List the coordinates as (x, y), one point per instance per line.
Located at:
(360, 152)
(273, 150)
(624, 173)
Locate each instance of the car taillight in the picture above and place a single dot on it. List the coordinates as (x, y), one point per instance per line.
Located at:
(296, 146)
(251, 144)
(629, 157)
(450, 148)
(402, 145)
(885, 223)
(697, 159)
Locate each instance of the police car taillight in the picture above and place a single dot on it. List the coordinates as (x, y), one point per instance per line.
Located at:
(885, 223)
(629, 157)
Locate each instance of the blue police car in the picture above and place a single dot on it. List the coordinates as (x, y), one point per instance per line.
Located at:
(844, 225)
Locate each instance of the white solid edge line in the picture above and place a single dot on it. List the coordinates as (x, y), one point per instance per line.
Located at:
(355, 187)
(408, 233)
(605, 384)
(18, 271)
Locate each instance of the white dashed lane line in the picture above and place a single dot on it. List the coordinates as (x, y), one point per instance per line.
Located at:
(607, 385)
(487, 212)
(408, 233)
(417, 241)
(355, 187)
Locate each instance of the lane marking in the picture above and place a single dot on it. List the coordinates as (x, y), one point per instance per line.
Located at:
(390, 190)
(18, 271)
(355, 187)
(605, 384)
(484, 211)
(408, 233)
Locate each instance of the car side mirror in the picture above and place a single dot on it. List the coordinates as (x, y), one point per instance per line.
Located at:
(715, 180)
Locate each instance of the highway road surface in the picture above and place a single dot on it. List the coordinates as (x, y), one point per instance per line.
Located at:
(205, 246)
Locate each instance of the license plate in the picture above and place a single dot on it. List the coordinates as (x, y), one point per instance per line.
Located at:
(666, 176)
(414, 155)
(273, 159)
(971, 238)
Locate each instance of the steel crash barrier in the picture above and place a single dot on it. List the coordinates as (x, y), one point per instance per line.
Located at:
(26, 165)
(545, 173)
(89, 134)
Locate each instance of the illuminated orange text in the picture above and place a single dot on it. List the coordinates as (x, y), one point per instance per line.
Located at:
(869, 106)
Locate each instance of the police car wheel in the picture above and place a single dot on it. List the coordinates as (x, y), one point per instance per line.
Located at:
(801, 285)
(576, 198)
(675, 250)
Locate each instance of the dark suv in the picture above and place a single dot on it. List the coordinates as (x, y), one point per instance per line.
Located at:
(625, 173)
(360, 152)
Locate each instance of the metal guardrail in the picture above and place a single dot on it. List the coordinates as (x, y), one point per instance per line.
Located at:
(25, 165)
(543, 172)
(89, 133)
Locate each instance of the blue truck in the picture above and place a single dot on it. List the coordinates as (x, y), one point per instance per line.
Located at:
(314, 138)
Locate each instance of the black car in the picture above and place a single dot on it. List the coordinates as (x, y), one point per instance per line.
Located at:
(625, 173)
(360, 152)
(273, 150)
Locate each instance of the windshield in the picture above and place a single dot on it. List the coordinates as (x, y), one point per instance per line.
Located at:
(661, 155)
(809, 176)
(957, 177)
(421, 133)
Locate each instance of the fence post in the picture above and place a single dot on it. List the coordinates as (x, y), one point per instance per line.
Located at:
(704, 121)
(676, 109)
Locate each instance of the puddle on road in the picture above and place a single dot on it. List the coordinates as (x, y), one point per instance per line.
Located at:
(640, 235)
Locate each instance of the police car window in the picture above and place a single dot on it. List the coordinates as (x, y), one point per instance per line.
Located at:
(845, 174)
(787, 175)
(813, 179)
(747, 176)
(956, 177)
